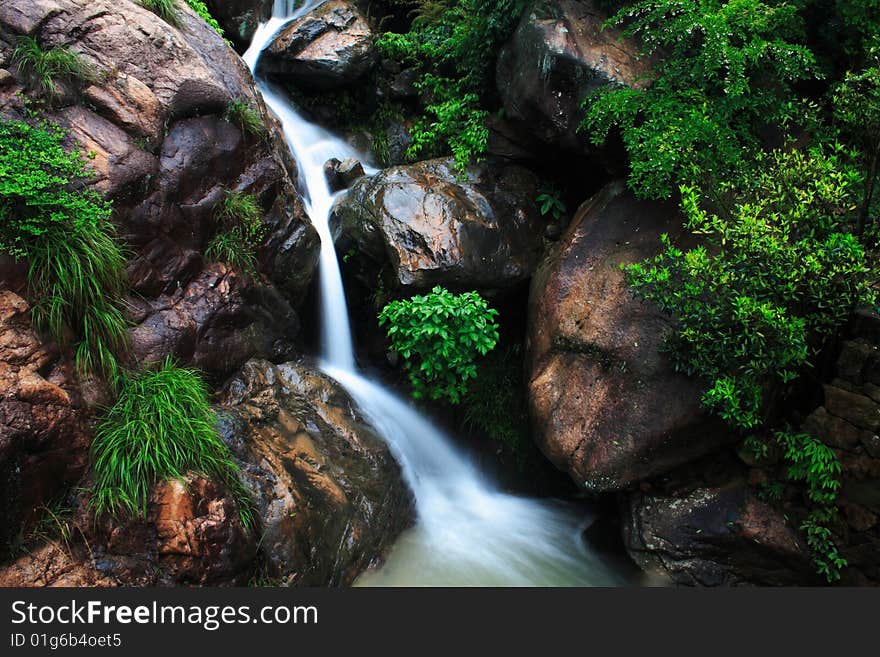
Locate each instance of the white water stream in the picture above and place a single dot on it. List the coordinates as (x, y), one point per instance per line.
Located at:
(467, 532)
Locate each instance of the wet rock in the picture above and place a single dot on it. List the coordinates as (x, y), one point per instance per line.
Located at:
(329, 494)
(329, 47)
(341, 175)
(240, 18)
(606, 405)
(53, 564)
(717, 536)
(558, 55)
(152, 123)
(45, 429)
(481, 230)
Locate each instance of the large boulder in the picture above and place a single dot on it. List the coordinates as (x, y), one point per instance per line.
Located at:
(45, 429)
(329, 47)
(558, 55)
(607, 406)
(715, 536)
(153, 124)
(330, 498)
(240, 18)
(434, 226)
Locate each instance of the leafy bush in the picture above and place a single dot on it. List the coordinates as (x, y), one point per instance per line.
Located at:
(45, 68)
(204, 13)
(439, 336)
(550, 202)
(725, 72)
(77, 269)
(452, 44)
(161, 427)
(249, 121)
(779, 276)
(240, 231)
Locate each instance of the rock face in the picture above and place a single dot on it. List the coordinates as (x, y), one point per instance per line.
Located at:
(717, 536)
(341, 174)
(163, 153)
(240, 18)
(44, 430)
(483, 231)
(329, 47)
(329, 494)
(558, 55)
(606, 405)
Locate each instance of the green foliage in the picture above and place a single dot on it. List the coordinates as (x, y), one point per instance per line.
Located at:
(439, 336)
(240, 231)
(202, 10)
(550, 202)
(856, 106)
(164, 9)
(43, 69)
(452, 44)
(161, 427)
(779, 275)
(241, 113)
(77, 269)
(814, 463)
(496, 403)
(725, 72)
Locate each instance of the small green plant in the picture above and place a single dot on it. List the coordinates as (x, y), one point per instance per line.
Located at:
(43, 69)
(164, 9)
(240, 231)
(249, 121)
(62, 227)
(550, 203)
(439, 336)
(161, 427)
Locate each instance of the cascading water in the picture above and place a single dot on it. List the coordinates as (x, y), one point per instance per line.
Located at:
(467, 532)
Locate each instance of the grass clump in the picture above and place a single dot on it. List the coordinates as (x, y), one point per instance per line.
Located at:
(164, 9)
(77, 268)
(240, 231)
(161, 427)
(242, 114)
(44, 69)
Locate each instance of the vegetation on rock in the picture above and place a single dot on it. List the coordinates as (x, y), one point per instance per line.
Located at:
(239, 231)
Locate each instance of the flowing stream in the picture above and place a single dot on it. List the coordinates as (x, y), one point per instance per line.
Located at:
(467, 532)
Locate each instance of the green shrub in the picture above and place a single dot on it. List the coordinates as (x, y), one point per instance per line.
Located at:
(202, 10)
(161, 427)
(77, 269)
(249, 121)
(240, 231)
(725, 72)
(452, 44)
(550, 203)
(778, 275)
(43, 69)
(439, 336)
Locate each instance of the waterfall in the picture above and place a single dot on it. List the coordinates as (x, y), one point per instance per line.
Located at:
(467, 532)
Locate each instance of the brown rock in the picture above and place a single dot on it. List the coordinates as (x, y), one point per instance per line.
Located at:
(606, 405)
(53, 564)
(857, 409)
(329, 494)
(559, 54)
(482, 231)
(714, 537)
(44, 427)
(240, 18)
(331, 46)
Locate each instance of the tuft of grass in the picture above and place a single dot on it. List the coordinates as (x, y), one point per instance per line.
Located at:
(240, 231)
(43, 69)
(164, 9)
(161, 427)
(248, 119)
(79, 281)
